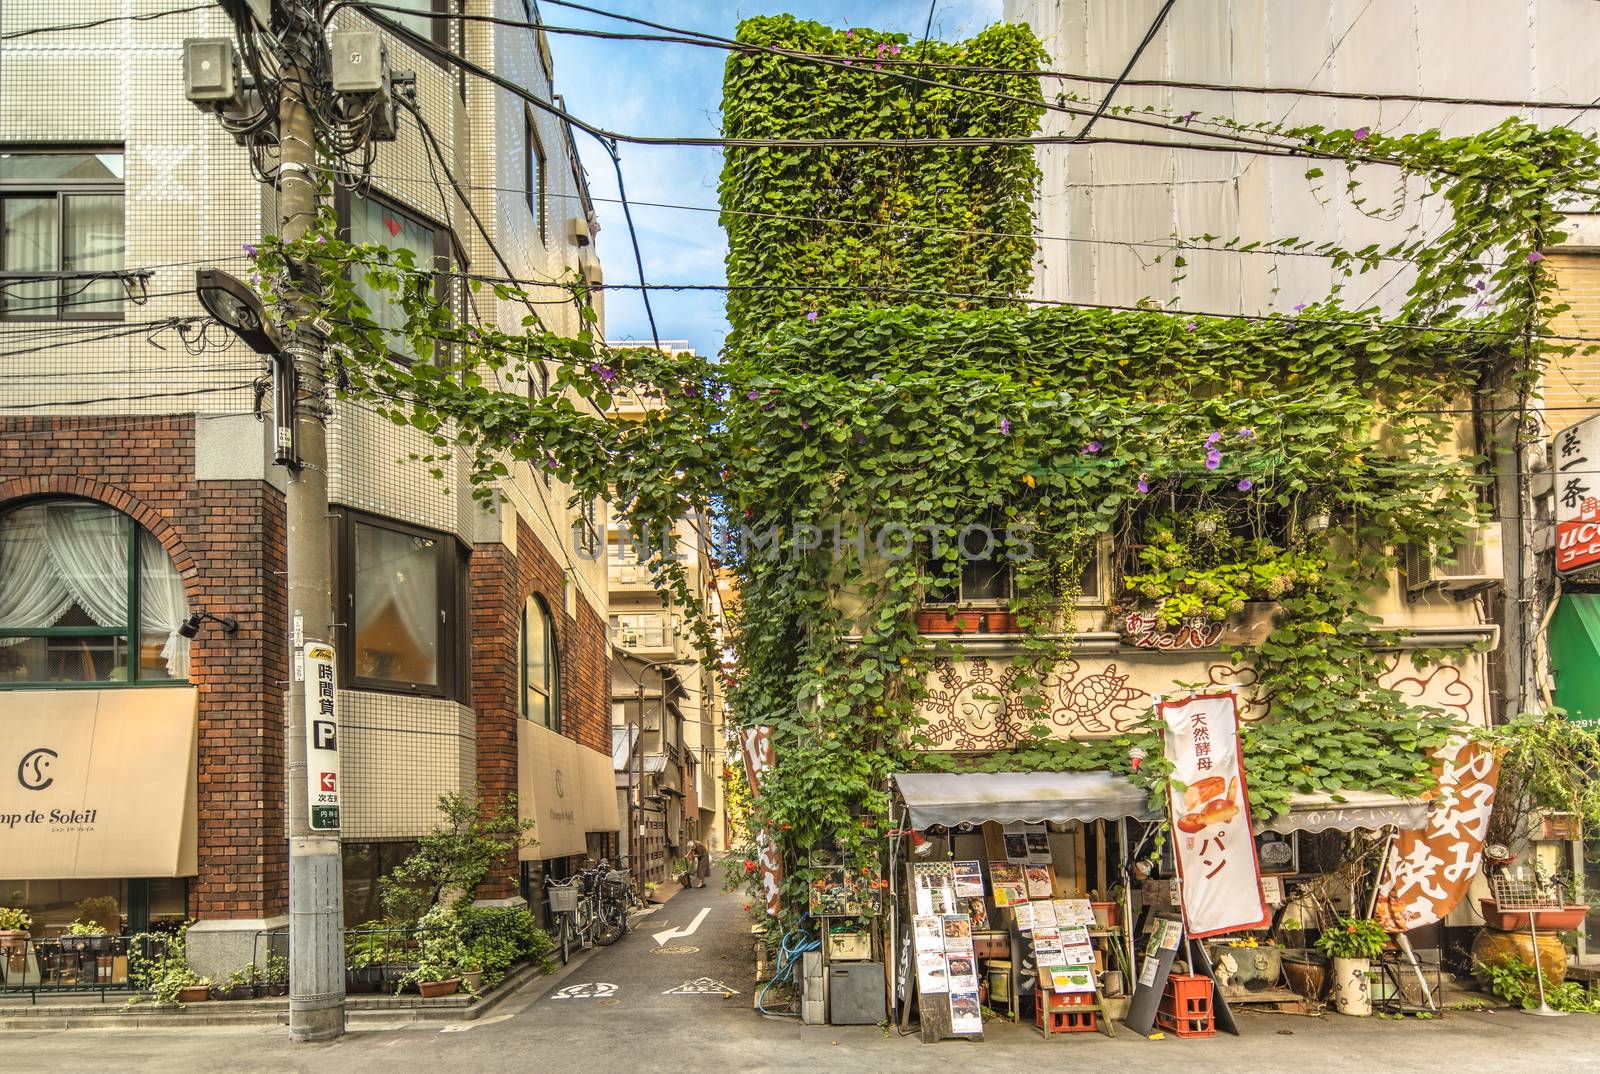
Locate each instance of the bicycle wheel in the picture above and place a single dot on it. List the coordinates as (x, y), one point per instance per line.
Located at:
(583, 922)
(564, 937)
(610, 922)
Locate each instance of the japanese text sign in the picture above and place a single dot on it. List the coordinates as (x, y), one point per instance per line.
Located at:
(755, 743)
(1577, 467)
(1212, 841)
(1427, 872)
(322, 736)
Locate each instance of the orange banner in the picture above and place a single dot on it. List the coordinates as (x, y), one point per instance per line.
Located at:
(755, 744)
(1428, 872)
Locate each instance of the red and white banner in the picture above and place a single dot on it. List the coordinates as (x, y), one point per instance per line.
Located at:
(1427, 872)
(1212, 840)
(755, 745)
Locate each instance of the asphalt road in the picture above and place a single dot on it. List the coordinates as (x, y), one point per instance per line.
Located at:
(684, 1004)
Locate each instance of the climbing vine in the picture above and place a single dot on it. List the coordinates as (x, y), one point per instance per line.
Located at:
(867, 411)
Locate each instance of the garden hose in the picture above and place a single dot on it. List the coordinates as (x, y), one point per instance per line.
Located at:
(795, 943)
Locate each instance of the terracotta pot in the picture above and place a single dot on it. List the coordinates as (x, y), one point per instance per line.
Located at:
(1306, 978)
(435, 989)
(13, 938)
(194, 994)
(1496, 947)
(1107, 915)
(1000, 622)
(948, 621)
(1570, 917)
(1352, 988)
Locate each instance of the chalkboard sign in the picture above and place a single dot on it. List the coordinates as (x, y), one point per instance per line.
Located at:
(1155, 966)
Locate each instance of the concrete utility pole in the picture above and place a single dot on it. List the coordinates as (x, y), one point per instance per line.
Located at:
(316, 875)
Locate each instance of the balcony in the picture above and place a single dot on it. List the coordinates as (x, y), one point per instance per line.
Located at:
(651, 635)
(624, 573)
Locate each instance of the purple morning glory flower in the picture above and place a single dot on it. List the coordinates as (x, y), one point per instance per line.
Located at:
(550, 462)
(715, 393)
(604, 372)
(1189, 117)
(249, 250)
(1144, 482)
(1361, 133)
(752, 394)
(322, 240)
(894, 50)
(1092, 448)
(770, 407)
(1213, 459)
(804, 424)
(1482, 285)
(848, 34)
(1005, 426)
(1211, 441)
(1534, 257)
(811, 315)
(1245, 484)
(692, 392)
(848, 63)
(1300, 308)
(1247, 433)
(1190, 326)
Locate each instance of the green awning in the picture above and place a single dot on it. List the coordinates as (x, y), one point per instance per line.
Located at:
(1575, 657)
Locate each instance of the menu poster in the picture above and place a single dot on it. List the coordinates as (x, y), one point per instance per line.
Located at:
(940, 901)
(957, 930)
(1016, 847)
(962, 971)
(1006, 878)
(935, 890)
(979, 911)
(1040, 883)
(1024, 912)
(1044, 913)
(1076, 948)
(1074, 912)
(929, 931)
(1072, 979)
(931, 973)
(968, 876)
(1047, 948)
(965, 1014)
(1038, 846)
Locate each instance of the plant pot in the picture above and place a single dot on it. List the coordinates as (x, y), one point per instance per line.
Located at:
(1306, 977)
(435, 989)
(1000, 622)
(242, 991)
(948, 621)
(1107, 915)
(472, 981)
(1496, 947)
(13, 939)
(1569, 917)
(1352, 987)
(194, 994)
(1247, 969)
(278, 988)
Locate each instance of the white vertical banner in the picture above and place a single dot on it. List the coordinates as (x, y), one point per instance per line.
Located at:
(1210, 812)
(322, 736)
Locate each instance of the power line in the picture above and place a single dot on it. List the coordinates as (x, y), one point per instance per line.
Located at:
(124, 398)
(1149, 36)
(92, 23)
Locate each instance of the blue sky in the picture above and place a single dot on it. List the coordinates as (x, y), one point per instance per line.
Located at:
(651, 88)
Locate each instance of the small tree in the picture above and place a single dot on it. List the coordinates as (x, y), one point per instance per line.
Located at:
(453, 859)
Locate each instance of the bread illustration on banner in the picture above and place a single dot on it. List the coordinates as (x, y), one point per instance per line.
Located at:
(1216, 799)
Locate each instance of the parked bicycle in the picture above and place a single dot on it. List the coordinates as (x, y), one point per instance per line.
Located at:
(569, 914)
(590, 907)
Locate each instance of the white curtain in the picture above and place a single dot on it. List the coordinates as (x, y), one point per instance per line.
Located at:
(398, 571)
(162, 605)
(88, 547)
(31, 594)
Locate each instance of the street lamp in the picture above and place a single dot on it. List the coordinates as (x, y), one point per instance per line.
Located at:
(634, 811)
(239, 309)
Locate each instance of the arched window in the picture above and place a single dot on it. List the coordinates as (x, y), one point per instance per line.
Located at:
(541, 666)
(72, 573)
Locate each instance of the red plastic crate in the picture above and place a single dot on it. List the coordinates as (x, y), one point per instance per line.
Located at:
(1060, 1001)
(1072, 1020)
(1187, 1027)
(1185, 1008)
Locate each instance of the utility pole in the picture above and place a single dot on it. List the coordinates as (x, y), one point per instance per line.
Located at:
(316, 872)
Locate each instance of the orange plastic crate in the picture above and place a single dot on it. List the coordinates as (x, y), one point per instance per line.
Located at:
(1072, 1020)
(1060, 1001)
(1185, 1008)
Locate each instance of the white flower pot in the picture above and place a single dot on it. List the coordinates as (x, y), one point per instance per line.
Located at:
(1352, 990)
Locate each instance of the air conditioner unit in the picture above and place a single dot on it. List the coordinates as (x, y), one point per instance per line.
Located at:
(580, 231)
(1473, 564)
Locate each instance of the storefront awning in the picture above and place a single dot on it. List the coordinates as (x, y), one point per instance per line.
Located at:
(949, 799)
(1356, 811)
(566, 789)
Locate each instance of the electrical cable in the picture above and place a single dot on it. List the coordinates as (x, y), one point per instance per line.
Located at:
(126, 398)
(92, 23)
(1149, 36)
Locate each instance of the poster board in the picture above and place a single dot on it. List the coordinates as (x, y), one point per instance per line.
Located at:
(932, 937)
(1155, 966)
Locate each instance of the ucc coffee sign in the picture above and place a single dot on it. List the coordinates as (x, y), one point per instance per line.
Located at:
(97, 783)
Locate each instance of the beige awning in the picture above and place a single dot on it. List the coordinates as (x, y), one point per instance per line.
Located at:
(98, 783)
(566, 789)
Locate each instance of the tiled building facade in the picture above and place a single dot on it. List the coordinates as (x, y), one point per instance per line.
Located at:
(104, 405)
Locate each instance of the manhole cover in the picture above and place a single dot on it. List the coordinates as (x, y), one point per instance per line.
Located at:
(676, 950)
(609, 1002)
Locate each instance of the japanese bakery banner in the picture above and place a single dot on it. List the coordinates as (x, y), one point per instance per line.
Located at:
(755, 743)
(1427, 872)
(1212, 840)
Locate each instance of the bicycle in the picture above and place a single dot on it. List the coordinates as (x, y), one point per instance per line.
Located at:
(608, 911)
(570, 913)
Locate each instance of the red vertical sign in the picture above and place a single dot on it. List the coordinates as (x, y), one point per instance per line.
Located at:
(755, 744)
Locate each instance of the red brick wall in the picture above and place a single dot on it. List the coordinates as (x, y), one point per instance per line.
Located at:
(226, 539)
(501, 584)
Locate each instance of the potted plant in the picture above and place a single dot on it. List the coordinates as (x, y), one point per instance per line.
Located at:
(197, 989)
(441, 954)
(238, 986)
(89, 937)
(277, 975)
(1352, 943)
(14, 926)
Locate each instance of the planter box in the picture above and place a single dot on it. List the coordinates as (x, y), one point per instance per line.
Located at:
(13, 939)
(1570, 917)
(195, 994)
(436, 989)
(243, 991)
(1107, 915)
(949, 621)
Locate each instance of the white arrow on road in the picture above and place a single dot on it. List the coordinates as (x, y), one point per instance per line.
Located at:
(671, 934)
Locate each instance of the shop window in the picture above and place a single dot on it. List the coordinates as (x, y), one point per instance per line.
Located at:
(541, 666)
(403, 623)
(61, 220)
(378, 221)
(364, 865)
(71, 574)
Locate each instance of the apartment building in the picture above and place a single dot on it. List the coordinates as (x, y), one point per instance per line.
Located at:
(135, 474)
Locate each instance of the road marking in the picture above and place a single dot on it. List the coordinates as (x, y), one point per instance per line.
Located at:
(587, 990)
(701, 986)
(675, 950)
(671, 934)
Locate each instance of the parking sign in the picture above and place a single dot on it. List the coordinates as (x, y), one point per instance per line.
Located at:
(322, 736)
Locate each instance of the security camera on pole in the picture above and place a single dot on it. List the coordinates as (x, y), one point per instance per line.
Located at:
(268, 103)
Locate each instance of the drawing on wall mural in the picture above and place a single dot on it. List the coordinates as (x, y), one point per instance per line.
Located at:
(1442, 686)
(1098, 704)
(1146, 632)
(971, 711)
(1252, 706)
